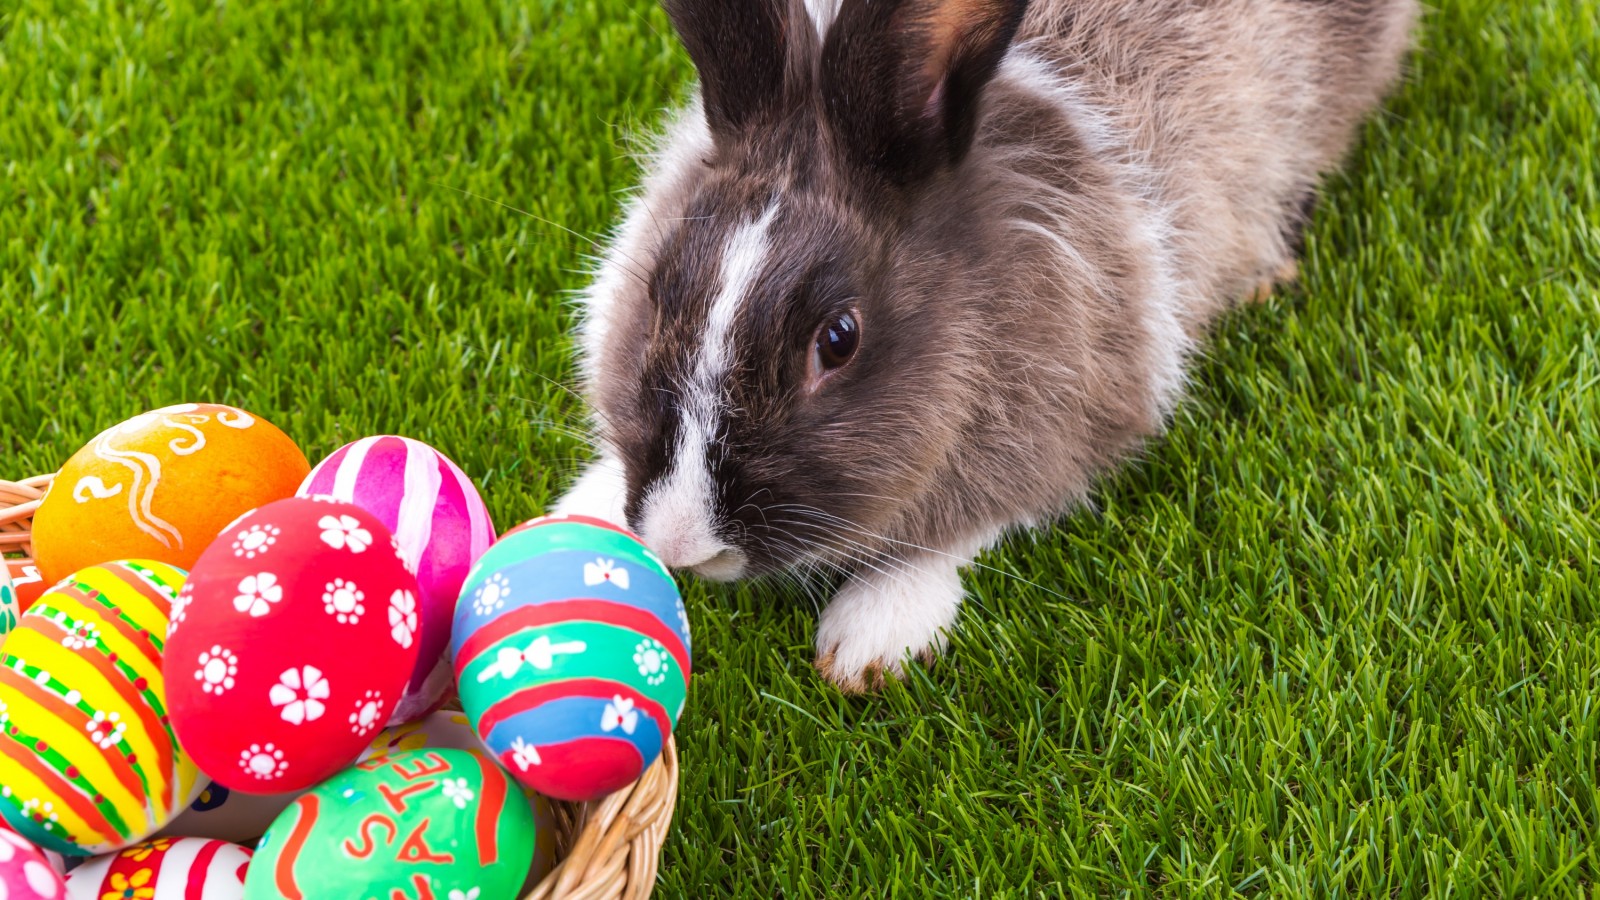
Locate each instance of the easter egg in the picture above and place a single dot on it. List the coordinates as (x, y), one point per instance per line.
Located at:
(164, 869)
(160, 486)
(25, 872)
(9, 607)
(434, 512)
(454, 730)
(27, 585)
(450, 729)
(571, 652)
(420, 823)
(239, 817)
(88, 757)
(290, 644)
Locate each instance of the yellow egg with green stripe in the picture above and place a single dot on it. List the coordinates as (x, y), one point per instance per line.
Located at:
(88, 760)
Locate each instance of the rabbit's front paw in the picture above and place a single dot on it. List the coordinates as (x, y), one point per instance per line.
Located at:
(600, 492)
(883, 616)
(1285, 275)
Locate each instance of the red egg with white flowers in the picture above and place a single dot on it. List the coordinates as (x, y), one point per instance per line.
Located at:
(290, 643)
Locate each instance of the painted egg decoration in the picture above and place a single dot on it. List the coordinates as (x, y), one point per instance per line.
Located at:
(27, 585)
(239, 817)
(572, 655)
(453, 730)
(450, 729)
(290, 644)
(9, 606)
(26, 873)
(164, 869)
(441, 523)
(88, 758)
(420, 823)
(160, 486)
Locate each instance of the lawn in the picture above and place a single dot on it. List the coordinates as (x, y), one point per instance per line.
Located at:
(1337, 634)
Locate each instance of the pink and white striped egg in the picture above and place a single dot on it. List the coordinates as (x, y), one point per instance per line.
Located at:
(441, 524)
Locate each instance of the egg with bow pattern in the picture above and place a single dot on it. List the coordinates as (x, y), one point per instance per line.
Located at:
(571, 652)
(284, 653)
(88, 759)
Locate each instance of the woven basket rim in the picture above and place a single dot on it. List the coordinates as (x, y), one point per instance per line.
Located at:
(607, 849)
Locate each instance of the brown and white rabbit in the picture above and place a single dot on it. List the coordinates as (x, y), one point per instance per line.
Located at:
(909, 273)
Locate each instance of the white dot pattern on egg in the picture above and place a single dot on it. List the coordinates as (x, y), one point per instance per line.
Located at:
(26, 872)
(296, 635)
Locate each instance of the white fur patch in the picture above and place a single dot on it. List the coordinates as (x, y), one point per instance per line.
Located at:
(887, 612)
(601, 491)
(678, 512)
(675, 519)
(822, 13)
(1154, 234)
(742, 260)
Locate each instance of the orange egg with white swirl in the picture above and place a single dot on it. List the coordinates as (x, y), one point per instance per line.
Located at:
(161, 486)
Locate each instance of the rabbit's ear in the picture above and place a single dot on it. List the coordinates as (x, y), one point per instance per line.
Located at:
(902, 80)
(740, 48)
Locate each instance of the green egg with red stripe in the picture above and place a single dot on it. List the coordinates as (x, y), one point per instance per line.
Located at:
(435, 823)
(572, 655)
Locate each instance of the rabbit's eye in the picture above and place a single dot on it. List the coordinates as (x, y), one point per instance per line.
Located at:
(837, 340)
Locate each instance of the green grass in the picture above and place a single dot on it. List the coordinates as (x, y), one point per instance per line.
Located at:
(1335, 635)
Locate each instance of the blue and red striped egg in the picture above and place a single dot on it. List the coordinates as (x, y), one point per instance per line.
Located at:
(441, 524)
(571, 653)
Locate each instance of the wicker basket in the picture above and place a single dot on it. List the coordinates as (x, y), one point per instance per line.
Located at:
(605, 849)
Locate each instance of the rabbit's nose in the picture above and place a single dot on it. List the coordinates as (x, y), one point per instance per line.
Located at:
(677, 518)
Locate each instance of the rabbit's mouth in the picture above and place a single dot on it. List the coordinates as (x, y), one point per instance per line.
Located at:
(696, 549)
(725, 565)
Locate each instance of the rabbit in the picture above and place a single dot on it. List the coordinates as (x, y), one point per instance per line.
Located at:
(904, 276)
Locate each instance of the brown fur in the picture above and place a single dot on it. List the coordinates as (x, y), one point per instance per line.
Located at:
(1010, 282)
